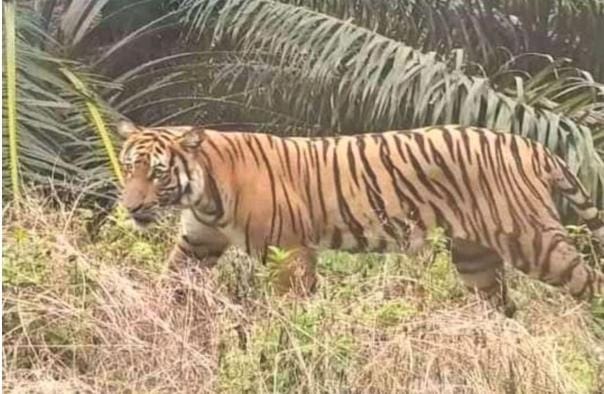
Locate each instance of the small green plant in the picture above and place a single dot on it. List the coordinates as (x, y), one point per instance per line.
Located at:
(25, 259)
(394, 312)
(442, 279)
(437, 239)
(277, 263)
(276, 258)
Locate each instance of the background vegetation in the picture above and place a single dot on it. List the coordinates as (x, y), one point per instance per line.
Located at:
(311, 67)
(83, 307)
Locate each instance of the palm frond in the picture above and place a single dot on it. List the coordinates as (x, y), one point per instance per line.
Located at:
(49, 112)
(79, 18)
(488, 31)
(359, 79)
(92, 104)
(61, 113)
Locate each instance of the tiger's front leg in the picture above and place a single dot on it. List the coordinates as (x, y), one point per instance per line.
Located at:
(186, 251)
(197, 244)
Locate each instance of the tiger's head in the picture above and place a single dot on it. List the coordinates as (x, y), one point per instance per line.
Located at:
(160, 169)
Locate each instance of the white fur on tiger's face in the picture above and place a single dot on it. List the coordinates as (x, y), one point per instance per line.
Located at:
(382, 192)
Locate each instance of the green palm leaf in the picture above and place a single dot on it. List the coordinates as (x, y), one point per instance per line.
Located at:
(488, 31)
(52, 132)
(359, 79)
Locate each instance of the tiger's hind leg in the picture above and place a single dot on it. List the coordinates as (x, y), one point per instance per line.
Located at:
(482, 270)
(560, 264)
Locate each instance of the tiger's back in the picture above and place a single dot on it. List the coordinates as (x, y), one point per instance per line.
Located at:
(372, 191)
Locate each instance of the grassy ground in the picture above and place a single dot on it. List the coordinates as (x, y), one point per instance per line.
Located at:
(100, 316)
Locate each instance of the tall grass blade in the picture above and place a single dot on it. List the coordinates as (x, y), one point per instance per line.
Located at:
(11, 88)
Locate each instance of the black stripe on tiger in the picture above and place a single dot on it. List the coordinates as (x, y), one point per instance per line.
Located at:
(353, 224)
(374, 193)
(271, 176)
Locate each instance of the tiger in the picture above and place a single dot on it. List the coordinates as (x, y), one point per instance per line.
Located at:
(492, 192)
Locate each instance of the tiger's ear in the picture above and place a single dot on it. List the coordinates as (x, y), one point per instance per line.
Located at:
(126, 128)
(191, 139)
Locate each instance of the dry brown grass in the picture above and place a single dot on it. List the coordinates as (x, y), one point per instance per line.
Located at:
(87, 325)
(83, 316)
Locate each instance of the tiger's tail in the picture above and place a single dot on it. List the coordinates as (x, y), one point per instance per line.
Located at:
(571, 188)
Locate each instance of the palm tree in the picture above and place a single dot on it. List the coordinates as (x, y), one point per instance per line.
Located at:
(43, 106)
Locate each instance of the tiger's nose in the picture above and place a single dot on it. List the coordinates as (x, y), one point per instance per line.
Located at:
(133, 197)
(130, 204)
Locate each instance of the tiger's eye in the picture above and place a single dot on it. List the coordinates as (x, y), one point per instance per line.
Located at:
(127, 167)
(157, 173)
